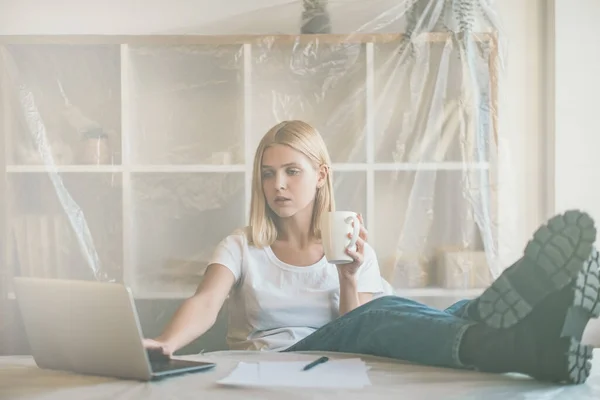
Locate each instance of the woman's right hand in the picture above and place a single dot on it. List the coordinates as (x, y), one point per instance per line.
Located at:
(151, 344)
(196, 314)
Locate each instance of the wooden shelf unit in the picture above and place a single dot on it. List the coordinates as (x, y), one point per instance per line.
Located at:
(160, 183)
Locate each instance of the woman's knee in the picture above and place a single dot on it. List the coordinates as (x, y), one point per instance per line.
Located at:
(385, 302)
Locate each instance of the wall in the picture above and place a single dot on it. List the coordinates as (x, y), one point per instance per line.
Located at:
(576, 121)
(522, 124)
(116, 16)
(527, 196)
(3, 270)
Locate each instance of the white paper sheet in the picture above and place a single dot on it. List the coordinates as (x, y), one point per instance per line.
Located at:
(348, 373)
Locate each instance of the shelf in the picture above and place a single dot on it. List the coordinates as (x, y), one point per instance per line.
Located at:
(435, 210)
(177, 220)
(432, 292)
(186, 104)
(184, 114)
(439, 292)
(410, 293)
(431, 166)
(353, 37)
(350, 192)
(415, 292)
(322, 85)
(65, 168)
(349, 167)
(119, 168)
(74, 89)
(187, 168)
(436, 117)
(66, 229)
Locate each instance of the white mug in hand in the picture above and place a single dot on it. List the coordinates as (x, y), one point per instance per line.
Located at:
(335, 227)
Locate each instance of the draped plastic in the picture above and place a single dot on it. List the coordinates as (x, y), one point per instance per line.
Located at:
(128, 159)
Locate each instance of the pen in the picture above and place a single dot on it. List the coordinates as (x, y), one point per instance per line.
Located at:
(315, 363)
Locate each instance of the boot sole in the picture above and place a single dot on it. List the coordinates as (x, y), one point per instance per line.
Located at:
(552, 259)
(586, 305)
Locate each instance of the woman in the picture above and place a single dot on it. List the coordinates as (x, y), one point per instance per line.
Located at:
(286, 297)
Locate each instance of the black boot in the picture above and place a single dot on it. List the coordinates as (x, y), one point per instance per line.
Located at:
(546, 344)
(551, 261)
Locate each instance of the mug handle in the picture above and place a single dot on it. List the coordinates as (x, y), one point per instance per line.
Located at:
(355, 232)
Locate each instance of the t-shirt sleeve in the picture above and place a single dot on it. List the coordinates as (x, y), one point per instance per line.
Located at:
(369, 274)
(229, 253)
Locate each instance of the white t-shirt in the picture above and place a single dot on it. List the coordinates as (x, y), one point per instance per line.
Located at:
(274, 304)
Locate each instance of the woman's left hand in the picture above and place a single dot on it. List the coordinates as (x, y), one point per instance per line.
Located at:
(349, 270)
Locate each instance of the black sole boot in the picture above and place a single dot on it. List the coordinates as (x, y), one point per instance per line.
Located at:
(545, 345)
(552, 260)
(585, 306)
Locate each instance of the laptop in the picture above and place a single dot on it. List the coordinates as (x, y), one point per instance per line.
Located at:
(90, 328)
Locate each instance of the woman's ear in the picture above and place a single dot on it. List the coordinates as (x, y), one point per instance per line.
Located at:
(323, 174)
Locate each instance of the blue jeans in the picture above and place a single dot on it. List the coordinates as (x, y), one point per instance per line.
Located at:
(395, 327)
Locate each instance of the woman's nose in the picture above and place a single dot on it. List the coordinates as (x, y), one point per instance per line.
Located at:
(280, 182)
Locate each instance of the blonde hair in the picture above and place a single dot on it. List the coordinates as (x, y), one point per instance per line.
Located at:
(301, 137)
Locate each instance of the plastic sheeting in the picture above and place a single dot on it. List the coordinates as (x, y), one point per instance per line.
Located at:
(129, 158)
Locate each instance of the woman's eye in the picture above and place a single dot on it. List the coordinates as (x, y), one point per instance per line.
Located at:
(293, 171)
(267, 174)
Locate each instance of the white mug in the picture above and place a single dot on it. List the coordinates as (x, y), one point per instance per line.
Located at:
(335, 227)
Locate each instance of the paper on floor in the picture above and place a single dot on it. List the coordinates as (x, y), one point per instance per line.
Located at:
(348, 373)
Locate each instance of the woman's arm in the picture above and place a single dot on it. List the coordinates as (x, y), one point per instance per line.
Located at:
(350, 297)
(198, 313)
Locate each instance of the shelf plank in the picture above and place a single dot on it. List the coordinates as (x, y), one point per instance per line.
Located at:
(5, 128)
(431, 166)
(248, 121)
(187, 168)
(439, 292)
(424, 166)
(126, 143)
(370, 136)
(352, 37)
(64, 168)
(182, 168)
(432, 292)
(416, 292)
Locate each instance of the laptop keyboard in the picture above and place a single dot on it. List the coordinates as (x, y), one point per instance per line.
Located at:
(161, 366)
(161, 363)
(158, 361)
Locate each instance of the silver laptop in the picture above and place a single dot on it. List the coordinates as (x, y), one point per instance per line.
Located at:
(90, 328)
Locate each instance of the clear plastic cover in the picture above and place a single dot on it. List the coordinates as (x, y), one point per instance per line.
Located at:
(128, 158)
